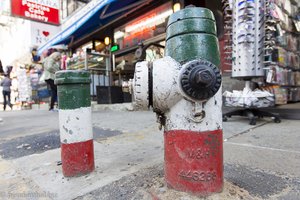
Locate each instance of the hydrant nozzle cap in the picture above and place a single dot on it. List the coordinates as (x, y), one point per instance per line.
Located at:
(200, 79)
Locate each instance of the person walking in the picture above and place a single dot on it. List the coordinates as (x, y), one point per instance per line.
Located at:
(6, 83)
(52, 65)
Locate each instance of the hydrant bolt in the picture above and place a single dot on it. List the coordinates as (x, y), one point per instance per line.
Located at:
(203, 78)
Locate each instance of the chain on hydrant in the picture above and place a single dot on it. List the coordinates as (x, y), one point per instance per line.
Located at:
(183, 88)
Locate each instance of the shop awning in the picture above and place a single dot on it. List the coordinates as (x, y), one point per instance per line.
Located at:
(99, 15)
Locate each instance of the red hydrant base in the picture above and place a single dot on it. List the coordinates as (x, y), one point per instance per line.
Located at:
(194, 161)
(77, 158)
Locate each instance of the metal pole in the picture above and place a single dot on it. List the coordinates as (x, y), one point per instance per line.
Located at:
(86, 60)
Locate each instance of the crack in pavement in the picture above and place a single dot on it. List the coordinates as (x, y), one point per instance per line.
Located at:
(245, 131)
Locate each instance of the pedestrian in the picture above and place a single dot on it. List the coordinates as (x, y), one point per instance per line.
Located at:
(6, 83)
(52, 65)
(1, 68)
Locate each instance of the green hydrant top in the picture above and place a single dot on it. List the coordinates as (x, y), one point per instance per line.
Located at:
(72, 77)
(191, 20)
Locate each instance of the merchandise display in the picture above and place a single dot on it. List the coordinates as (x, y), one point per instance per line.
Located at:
(281, 94)
(245, 32)
(248, 98)
(264, 41)
(97, 63)
(247, 38)
(251, 32)
(24, 86)
(282, 50)
(87, 60)
(227, 14)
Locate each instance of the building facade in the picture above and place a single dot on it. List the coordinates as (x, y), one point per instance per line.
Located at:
(108, 37)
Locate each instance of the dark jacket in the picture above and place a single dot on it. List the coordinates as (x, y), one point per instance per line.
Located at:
(6, 83)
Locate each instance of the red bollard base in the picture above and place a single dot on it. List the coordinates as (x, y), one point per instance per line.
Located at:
(194, 161)
(77, 158)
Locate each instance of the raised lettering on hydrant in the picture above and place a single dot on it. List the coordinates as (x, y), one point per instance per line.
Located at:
(183, 88)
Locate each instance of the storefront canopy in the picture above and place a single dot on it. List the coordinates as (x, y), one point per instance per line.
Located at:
(99, 15)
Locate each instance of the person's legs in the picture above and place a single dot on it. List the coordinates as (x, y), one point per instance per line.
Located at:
(4, 100)
(8, 102)
(53, 88)
(54, 91)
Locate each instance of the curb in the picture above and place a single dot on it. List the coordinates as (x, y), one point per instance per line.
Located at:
(112, 107)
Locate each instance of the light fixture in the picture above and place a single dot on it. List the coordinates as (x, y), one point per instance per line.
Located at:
(106, 40)
(149, 21)
(176, 7)
(118, 35)
(97, 43)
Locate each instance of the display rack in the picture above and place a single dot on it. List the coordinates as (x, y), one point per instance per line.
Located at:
(227, 15)
(282, 56)
(246, 21)
(96, 63)
(89, 61)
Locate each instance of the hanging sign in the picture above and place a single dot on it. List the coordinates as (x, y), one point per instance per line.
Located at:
(46, 11)
(41, 33)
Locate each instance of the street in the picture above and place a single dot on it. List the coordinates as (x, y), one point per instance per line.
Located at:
(260, 162)
(75, 76)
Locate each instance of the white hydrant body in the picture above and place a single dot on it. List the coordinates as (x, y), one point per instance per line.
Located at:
(186, 96)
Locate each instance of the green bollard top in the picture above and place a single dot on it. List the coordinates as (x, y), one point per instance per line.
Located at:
(191, 20)
(72, 77)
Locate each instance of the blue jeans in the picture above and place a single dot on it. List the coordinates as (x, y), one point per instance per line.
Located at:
(6, 99)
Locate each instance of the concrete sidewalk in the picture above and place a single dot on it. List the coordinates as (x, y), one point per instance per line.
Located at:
(260, 162)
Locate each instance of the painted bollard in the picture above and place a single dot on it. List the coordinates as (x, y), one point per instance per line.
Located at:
(75, 124)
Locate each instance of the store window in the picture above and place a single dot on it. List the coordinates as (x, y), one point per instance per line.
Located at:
(68, 7)
(137, 33)
(144, 27)
(89, 56)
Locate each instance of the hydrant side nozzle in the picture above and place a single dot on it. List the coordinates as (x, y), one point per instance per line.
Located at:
(140, 84)
(166, 91)
(151, 86)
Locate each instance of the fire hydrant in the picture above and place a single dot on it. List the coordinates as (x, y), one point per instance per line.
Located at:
(183, 88)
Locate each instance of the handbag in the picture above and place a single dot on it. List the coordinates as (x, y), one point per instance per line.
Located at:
(42, 79)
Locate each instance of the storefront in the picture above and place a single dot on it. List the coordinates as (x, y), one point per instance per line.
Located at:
(139, 39)
(127, 34)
